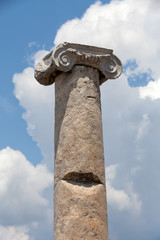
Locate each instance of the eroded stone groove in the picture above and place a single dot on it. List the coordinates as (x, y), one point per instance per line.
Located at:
(80, 207)
(82, 177)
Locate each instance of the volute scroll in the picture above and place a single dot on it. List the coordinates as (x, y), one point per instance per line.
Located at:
(66, 55)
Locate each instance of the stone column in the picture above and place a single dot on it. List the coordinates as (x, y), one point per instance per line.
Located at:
(80, 208)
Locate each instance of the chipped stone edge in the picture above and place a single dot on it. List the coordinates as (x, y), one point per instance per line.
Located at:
(66, 55)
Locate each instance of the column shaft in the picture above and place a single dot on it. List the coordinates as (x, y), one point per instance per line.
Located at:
(80, 210)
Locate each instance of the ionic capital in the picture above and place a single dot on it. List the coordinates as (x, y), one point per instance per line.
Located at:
(66, 55)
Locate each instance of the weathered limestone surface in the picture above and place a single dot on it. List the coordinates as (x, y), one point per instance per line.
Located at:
(80, 212)
(78, 124)
(80, 208)
(80, 196)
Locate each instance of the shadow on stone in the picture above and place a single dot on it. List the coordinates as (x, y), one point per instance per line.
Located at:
(87, 179)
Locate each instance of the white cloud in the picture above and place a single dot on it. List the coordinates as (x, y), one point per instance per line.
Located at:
(14, 233)
(38, 102)
(130, 27)
(152, 90)
(121, 25)
(120, 199)
(39, 55)
(117, 19)
(130, 119)
(22, 188)
(111, 172)
(143, 127)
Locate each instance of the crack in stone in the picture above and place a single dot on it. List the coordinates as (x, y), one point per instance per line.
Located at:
(91, 97)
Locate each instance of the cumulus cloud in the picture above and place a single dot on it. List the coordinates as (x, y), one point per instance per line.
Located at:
(14, 233)
(129, 27)
(133, 22)
(118, 198)
(39, 55)
(152, 90)
(22, 188)
(38, 102)
(130, 118)
(126, 116)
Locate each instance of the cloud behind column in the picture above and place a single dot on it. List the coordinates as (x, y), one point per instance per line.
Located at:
(130, 115)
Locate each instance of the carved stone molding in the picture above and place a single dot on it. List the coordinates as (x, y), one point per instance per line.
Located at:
(66, 55)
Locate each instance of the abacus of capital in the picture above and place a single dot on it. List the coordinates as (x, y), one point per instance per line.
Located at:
(80, 208)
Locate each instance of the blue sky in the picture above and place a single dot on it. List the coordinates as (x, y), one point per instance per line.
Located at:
(130, 110)
(24, 24)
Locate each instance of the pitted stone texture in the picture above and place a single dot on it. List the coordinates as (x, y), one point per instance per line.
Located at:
(80, 195)
(80, 211)
(78, 125)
